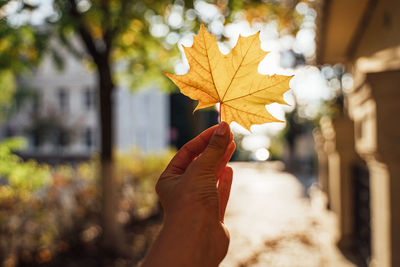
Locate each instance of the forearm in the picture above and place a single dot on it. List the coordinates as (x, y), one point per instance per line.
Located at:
(185, 244)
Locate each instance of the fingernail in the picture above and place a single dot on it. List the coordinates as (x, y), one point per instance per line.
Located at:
(222, 129)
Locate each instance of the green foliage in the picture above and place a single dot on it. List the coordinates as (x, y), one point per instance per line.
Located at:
(21, 47)
(20, 176)
(7, 89)
(118, 32)
(43, 208)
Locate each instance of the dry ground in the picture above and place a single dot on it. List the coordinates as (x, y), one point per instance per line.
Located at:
(272, 223)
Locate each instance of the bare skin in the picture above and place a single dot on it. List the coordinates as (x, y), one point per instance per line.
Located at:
(194, 191)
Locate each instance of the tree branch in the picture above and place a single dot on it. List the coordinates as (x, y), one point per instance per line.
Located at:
(108, 31)
(84, 33)
(69, 46)
(121, 16)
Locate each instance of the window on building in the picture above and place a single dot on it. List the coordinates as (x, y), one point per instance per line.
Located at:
(63, 100)
(9, 131)
(88, 137)
(62, 139)
(36, 139)
(88, 99)
(36, 103)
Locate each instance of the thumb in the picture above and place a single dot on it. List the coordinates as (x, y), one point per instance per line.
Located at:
(216, 148)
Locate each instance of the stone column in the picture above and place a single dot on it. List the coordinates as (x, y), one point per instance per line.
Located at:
(375, 108)
(323, 179)
(339, 146)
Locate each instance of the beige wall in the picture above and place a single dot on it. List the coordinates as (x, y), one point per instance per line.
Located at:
(383, 29)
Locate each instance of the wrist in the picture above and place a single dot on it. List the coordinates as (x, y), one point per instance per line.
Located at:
(194, 219)
(198, 239)
(189, 237)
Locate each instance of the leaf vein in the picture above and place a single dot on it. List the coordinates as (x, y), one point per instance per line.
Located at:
(195, 59)
(209, 65)
(244, 111)
(252, 93)
(233, 77)
(198, 88)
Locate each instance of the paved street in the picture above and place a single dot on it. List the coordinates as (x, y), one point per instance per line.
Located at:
(272, 223)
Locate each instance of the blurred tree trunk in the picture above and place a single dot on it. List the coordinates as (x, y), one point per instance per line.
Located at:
(112, 233)
(112, 230)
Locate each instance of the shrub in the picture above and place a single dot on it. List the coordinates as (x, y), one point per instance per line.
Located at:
(45, 208)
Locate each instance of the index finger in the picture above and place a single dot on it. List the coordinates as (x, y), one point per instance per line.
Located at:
(188, 152)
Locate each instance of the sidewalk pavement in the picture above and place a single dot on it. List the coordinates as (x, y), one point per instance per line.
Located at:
(272, 223)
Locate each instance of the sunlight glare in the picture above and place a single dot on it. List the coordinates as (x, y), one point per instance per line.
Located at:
(175, 20)
(262, 154)
(255, 141)
(159, 30)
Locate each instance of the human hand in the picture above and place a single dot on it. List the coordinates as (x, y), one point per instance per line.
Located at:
(194, 191)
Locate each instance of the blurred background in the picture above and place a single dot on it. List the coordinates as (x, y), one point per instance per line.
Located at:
(88, 122)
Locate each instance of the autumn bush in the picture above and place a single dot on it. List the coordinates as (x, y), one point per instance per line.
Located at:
(45, 209)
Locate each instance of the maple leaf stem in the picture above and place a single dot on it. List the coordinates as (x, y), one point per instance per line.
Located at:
(219, 113)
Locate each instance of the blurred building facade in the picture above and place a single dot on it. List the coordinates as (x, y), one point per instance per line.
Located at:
(59, 118)
(359, 149)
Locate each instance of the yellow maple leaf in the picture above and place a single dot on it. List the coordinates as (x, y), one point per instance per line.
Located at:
(231, 80)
